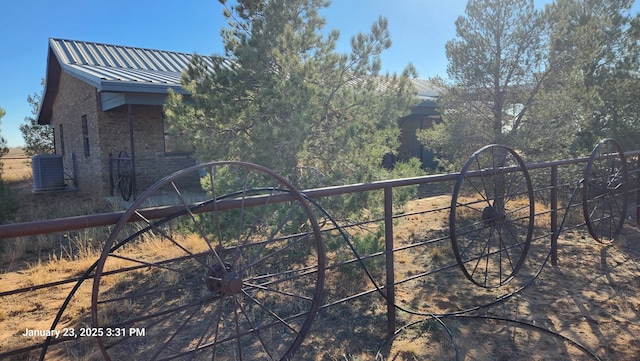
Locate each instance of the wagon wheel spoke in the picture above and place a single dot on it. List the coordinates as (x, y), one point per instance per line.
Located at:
(605, 188)
(491, 217)
(236, 270)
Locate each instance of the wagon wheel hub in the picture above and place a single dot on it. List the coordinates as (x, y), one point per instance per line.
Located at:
(491, 216)
(224, 280)
(231, 283)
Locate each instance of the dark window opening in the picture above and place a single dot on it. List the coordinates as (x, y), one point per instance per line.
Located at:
(85, 136)
(175, 141)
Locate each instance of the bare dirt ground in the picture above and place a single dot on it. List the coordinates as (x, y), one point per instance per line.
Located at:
(586, 307)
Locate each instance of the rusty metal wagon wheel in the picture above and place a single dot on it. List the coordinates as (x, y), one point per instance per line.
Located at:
(125, 177)
(605, 191)
(234, 269)
(492, 216)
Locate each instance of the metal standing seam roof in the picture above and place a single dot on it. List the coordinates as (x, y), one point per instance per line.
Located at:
(121, 68)
(126, 69)
(426, 89)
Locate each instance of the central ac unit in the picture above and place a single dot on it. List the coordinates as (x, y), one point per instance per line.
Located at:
(48, 172)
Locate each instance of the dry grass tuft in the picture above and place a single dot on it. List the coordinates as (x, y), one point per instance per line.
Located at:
(411, 350)
(437, 254)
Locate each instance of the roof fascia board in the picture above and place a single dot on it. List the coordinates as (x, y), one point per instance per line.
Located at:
(49, 92)
(425, 107)
(80, 75)
(112, 100)
(118, 86)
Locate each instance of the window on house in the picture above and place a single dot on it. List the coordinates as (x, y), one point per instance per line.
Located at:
(85, 136)
(61, 136)
(175, 142)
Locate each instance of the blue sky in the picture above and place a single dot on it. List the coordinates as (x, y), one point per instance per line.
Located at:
(419, 29)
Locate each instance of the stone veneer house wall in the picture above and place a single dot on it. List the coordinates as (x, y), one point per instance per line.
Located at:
(103, 99)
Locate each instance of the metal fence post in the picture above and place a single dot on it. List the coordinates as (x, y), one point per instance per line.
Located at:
(388, 238)
(638, 191)
(554, 215)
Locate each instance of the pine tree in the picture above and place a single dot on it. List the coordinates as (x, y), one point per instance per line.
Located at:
(282, 97)
(497, 65)
(38, 138)
(599, 44)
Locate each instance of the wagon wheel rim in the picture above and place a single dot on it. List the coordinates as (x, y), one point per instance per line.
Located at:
(246, 282)
(604, 191)
(125, 185)
(491, 219)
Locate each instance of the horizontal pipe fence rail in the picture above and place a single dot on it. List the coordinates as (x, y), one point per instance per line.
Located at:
(107, 219)
(556, 184)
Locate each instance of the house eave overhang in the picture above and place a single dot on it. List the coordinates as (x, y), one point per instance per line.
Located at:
(50, 90)
(114, 93)
(113, 99)
(426, 106)
(107, 80)
(111, 86)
